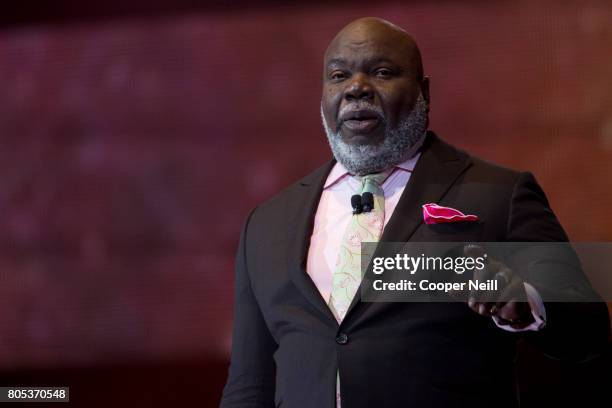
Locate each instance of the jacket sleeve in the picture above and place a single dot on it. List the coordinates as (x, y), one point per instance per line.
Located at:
(577, 330)
(251, 376)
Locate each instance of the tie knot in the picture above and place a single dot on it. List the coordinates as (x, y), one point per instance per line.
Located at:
(372, 183)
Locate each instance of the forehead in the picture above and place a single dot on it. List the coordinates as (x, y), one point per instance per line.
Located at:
(368, 45)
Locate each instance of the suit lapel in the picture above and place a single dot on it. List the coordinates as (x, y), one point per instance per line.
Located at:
(436, 171)
(439, 166)
(300, 230)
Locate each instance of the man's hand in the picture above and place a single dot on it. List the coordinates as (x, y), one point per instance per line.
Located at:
(509, 303)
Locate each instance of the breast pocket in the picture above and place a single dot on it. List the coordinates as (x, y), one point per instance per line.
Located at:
(451, 232)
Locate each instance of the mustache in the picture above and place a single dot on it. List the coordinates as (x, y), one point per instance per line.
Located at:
(360, 105)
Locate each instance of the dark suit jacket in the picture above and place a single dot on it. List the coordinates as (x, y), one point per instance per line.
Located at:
(287, 345)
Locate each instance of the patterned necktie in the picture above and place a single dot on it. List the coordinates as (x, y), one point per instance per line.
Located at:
(364, 227)
(347, 274)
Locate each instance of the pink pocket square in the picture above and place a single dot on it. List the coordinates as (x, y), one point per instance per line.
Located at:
(436, 214)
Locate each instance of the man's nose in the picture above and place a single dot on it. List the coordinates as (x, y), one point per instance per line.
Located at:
(359, 88)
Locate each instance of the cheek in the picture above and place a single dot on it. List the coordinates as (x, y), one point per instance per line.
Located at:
(331, 106)
(333, 97)
(398, 105)
(392, 107)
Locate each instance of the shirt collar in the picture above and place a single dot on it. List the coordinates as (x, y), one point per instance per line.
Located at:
(339, 172)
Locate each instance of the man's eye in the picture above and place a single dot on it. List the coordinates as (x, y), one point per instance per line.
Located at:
(337, 75)
(383, 72)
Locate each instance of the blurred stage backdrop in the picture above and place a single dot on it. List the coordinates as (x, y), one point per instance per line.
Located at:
(135, 137)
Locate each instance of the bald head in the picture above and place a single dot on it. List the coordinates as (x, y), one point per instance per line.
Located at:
(377, 31)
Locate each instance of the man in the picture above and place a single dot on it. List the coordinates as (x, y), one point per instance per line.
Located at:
(302, 336)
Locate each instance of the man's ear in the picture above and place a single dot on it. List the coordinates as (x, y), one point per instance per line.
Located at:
(425, 90)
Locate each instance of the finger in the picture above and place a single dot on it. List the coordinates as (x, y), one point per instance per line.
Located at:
(513, 291)
(482, 275)
(505, 287)
(503, 276)
(483, 302)
(508, 286)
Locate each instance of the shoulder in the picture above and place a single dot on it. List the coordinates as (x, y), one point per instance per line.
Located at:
(438, 153)
(485, 173)
(510, 197)
(297, 189)
(292, 202)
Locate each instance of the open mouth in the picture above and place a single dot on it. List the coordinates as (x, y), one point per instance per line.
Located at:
(360, 121)
(361, 124)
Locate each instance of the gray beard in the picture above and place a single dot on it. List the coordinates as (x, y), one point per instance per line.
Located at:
(399, 144)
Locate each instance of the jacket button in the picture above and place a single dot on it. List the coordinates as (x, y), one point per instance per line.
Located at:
(342, 339)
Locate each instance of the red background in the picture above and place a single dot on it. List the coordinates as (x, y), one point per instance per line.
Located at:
(135, 137)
